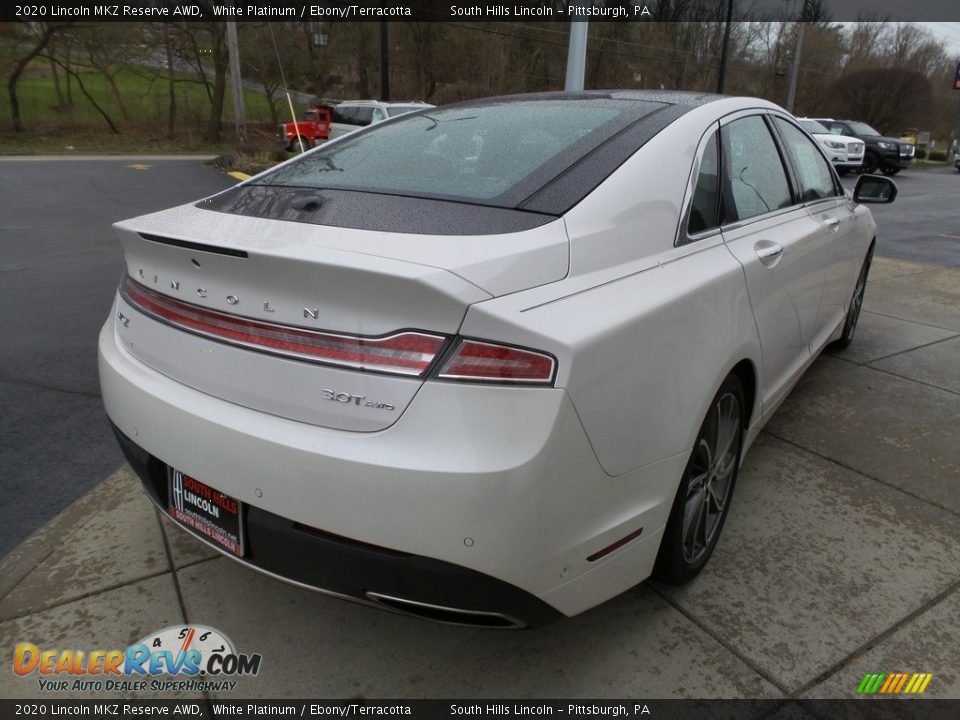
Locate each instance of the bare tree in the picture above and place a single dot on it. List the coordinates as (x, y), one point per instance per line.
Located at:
(107, 47)
(171, 81)
(83, 89)
(260, 64)
(890, 98)
(218, 34)
(425, 37)
(41, 34)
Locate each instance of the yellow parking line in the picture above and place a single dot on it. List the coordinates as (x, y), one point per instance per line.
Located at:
(239, 175)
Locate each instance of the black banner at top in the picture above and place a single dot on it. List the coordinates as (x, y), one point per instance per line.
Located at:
(481, 10)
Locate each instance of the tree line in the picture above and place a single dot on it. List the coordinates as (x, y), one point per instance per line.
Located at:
(894, 76)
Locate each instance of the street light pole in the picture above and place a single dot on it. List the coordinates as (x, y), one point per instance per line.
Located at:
(236, 84)
(795, 66)
(576, 53)
(384, 62)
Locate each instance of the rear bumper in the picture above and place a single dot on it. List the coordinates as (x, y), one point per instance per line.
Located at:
(483, 499)
(351, 570)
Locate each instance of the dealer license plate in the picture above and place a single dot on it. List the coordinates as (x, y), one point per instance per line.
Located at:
(207, 512)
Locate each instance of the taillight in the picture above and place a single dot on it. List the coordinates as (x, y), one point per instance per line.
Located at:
(474, 360)
(404, 353)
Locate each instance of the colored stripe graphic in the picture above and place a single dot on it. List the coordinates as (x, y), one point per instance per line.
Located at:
(894, 683)
(891, 681)
(870, 683)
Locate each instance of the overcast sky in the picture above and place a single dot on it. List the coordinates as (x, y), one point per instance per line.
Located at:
(949, 32)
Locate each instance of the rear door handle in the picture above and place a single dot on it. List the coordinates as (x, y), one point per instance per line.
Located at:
(832, 223)
(768, 252)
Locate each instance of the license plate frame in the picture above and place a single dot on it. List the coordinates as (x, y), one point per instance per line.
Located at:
(206, 512)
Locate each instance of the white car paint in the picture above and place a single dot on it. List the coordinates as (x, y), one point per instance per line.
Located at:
(844, 151)
(538, 479)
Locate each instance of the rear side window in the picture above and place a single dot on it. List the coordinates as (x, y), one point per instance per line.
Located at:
(706, 193)
(754, 179)
(816, 179)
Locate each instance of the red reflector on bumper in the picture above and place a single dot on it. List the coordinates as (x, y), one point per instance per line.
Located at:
(616, 546)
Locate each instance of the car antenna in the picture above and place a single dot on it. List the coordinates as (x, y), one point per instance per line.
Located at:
(283, 80)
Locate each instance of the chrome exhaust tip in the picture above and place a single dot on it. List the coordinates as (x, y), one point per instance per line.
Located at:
(447, 615)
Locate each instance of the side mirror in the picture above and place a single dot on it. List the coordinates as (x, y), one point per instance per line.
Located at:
(875, 189)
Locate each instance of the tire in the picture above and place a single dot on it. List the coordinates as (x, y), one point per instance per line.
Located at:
(870, 163)
(856, 303)
(890, 171)
(706, 488)
(295, 144)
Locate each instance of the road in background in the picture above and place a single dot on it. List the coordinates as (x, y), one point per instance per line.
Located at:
(924, 222)
(59, 266)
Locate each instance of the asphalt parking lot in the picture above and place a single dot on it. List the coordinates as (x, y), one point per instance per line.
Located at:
(924, 222)
(59, 264)
(841, 555)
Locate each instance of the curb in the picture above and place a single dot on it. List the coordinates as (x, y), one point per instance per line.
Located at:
(45, 541)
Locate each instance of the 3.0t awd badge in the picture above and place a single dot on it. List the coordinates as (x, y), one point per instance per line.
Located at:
(358, 400)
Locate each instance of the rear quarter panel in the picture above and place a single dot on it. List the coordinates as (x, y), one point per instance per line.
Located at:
(644, 332)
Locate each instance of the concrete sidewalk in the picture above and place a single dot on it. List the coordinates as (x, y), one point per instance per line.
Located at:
(841, 557)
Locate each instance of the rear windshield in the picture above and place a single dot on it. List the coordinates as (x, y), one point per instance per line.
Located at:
(494, 154)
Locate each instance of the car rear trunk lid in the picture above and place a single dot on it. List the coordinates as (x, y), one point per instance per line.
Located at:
(293, 278)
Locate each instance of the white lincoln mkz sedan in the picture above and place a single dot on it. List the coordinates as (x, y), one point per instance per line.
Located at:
(491, 363)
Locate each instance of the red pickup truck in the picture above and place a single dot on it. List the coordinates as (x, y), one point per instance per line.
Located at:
(312, 130)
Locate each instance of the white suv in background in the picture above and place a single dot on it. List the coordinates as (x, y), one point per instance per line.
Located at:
(844, 151)
(352, 115)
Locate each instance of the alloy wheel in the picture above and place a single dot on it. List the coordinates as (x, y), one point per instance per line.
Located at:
(711, 474)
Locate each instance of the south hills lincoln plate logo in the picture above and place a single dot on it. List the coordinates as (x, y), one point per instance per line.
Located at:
(198, 657)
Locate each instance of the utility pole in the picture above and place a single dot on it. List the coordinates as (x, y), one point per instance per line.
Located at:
(384, 62)
(576, 56)
(721, 76)
(956, 117)
(236, 84)
(795, 66)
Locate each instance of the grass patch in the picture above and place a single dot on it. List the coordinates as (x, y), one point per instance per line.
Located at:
(144, 93)
(927, 164)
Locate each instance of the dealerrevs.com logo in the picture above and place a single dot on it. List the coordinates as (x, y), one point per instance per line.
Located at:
(204, 658)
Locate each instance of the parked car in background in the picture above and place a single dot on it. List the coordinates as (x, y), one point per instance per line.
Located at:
(887, 154)
(351, 115)
(489, 364)
(845, 152)
(956, 161)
